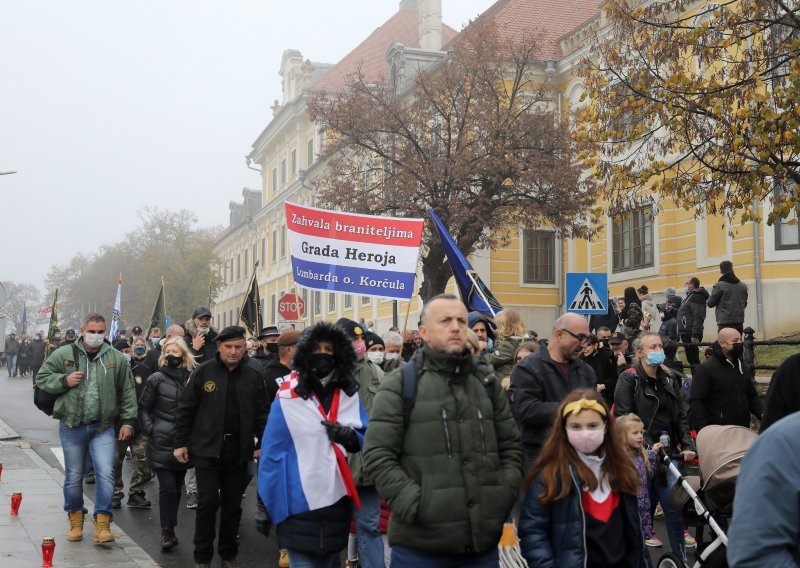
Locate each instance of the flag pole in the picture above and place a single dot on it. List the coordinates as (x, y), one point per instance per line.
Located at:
(480, 293)
(408, 307)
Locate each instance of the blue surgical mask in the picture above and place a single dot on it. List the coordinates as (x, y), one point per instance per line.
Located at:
(655, 358)
(127, 357)
(685, 290)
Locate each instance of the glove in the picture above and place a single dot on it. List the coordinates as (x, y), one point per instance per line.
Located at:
(341, 434)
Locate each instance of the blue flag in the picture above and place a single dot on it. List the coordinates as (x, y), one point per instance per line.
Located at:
(474, 292)
(24, 319)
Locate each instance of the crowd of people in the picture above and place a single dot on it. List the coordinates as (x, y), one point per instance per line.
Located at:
(410, 448)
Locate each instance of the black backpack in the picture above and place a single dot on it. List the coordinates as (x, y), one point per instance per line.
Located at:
(46, 401)
(408, 384)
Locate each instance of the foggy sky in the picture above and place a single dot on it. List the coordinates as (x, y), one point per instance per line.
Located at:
(108, 107)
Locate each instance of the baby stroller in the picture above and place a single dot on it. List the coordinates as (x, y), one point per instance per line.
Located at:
(708, 500)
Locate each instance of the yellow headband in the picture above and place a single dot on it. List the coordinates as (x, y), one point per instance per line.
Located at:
(583, 404)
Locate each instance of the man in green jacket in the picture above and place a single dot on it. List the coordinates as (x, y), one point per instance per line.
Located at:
(95, 386)
(450, 468)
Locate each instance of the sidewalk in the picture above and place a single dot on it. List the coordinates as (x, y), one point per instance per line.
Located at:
(42, 514)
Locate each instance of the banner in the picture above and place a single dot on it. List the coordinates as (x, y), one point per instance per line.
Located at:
(159, 317)
(41, 322)
(250, 314)
(112, 334)
(474, 293)
(352, 253)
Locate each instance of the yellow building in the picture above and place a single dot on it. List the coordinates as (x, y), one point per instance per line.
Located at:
(659, 250)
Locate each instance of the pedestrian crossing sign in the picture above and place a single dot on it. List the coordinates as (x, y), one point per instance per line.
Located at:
(587, 292)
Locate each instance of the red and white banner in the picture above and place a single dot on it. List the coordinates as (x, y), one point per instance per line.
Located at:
(352, 253)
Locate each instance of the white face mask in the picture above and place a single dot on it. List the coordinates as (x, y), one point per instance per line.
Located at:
(392, 356)
(93, 340)
(375, 356)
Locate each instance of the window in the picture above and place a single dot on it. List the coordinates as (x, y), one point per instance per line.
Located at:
(230, 318)
(365, 300)
(224, 319)
(255, 254)
(263, 252)
(274, 180)
(539, 257)
(283, 241)
(274, 245)
(787, 231)
(632, 240)
(294, 162)
(310, 152)
(317, 303)
(246, 256)
(238, 267)
(273, 308)
(348, 301)
(331, 302)
(283, 173)
(305, 298)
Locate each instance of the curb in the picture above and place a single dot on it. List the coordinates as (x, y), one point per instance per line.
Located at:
(136, 553)
(7, 432)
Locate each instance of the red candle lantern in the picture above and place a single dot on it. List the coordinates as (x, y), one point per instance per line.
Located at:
(48, 548)
(16, 501)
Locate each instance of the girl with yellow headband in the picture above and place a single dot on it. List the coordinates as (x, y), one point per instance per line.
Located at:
(580, 504)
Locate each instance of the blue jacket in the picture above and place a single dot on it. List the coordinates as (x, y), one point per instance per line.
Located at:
(766, 522)
(553, 536)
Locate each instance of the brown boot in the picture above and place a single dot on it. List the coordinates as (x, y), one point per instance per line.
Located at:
(102, 529)
(75, 533)
(166, 539)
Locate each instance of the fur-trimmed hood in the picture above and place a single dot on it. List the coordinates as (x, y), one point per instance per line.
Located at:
(191, 328)
(344, 355)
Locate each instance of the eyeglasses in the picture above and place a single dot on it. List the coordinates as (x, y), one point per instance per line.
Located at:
(580, 337)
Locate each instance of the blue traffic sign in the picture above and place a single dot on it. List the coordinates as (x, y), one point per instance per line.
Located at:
(587, 292)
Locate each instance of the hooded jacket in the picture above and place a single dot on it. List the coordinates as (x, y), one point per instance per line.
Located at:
(157, 407)
(537, 388)
(112, 375)
(323, 530)
(722, 393)
(451, 472)
(729, 296)
(475, 317)
(209, 349)
(692, 313)
(37, 349)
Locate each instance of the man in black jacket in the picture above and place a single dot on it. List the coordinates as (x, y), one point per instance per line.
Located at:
(723, 390)
(38, 347)
(783, 396)
(540, 381)
(691, 319)
(221, 410)
(203, 344)
(267, 351)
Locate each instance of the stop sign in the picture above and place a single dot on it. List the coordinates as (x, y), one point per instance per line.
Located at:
(291, 307)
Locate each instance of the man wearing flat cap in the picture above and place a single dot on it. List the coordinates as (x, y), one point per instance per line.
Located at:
(369, 377)
(221, 409)
(267, 351)
(203, 344)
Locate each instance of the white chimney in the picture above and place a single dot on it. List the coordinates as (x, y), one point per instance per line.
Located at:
(430, 24)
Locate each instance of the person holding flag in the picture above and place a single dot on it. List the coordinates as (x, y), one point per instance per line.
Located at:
(303, 478)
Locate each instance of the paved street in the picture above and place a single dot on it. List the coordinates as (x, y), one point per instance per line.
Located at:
(142, 526)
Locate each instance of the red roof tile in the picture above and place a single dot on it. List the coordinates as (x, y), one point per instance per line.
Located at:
(370, 54)
(553, 18)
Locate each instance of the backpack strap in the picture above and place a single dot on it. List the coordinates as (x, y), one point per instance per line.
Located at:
(76, 356)
(408, 390)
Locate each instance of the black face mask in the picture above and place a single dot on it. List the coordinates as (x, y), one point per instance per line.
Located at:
(173, 361)
(322, 364)
(736, 350)
(272, 348)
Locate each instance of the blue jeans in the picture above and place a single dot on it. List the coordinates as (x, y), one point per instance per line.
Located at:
(11, 363)
(304, 560)
(674, 523)
(404, 556)
(370, 543)
(77, 442)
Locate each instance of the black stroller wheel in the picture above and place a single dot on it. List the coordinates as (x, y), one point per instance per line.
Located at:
(669, 560)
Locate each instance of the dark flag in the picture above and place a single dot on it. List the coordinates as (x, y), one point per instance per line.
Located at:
(24, 319)
(159, 317)
(250, 314)
(53, 327)
(474, 292)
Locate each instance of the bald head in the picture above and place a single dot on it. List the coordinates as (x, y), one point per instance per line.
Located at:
(730, 341)
(570, 333)
(174, 331)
